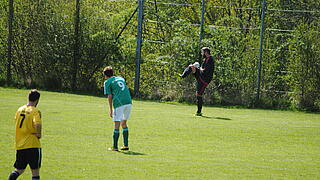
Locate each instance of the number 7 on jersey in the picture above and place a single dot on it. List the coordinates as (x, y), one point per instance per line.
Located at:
(23, 117)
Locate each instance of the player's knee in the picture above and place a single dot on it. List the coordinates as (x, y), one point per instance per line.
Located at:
(123, 124)
(35, 172)
(116, 125)
(20, 171)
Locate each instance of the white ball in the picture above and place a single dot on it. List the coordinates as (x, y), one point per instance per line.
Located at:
(196, 64)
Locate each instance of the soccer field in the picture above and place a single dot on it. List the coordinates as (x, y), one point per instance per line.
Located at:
(166, 141)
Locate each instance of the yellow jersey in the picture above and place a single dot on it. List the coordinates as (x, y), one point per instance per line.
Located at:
(26, 118)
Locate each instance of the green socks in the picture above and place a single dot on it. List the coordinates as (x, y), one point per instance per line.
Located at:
(115, 138)
(125, 132)
(116, 134)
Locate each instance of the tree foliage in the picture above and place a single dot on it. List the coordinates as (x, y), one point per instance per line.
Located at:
(44, 39)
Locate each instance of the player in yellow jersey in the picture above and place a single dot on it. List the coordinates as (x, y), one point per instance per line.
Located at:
(28, 133)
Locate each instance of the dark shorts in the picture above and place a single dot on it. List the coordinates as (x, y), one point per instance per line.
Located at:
(201, 86)
(201, 83)
(30, 156)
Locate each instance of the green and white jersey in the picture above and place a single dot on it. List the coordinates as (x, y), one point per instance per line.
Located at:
(118, 88)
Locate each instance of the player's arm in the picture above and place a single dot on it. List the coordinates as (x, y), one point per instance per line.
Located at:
(16, 117)
(203, 67)
(107, 91)
(38, 128)
(37, 124)
(208, 65)
(110, 104)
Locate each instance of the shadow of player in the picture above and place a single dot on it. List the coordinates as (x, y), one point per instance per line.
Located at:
(219, 118)
(131, 153)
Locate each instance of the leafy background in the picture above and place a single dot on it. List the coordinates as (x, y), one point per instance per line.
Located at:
(44, 37)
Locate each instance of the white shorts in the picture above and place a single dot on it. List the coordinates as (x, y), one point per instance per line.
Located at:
(122, 113)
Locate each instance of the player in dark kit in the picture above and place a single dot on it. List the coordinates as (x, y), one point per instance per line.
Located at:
(202, 74)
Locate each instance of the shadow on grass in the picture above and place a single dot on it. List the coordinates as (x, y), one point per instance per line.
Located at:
(219, 118)
(131, 153)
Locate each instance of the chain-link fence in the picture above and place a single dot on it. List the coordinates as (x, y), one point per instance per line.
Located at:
(47, 51)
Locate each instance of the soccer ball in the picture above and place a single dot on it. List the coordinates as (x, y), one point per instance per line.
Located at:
(196, 64)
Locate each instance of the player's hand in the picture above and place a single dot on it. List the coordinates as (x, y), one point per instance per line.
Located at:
(38, 135)
(110, 114)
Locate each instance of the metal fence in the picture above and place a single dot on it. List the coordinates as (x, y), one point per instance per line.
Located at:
(263, 81)
(146, 14)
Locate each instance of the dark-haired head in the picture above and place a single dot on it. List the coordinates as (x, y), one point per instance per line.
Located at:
(108, 71)
(206, 49)
(34, 95)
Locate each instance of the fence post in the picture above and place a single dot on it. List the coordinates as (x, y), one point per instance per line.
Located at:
(261, 49)
(10, 38)
(202, 22)
(138, 49)
(76, 46)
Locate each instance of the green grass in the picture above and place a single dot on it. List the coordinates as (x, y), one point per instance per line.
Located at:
(166, 141)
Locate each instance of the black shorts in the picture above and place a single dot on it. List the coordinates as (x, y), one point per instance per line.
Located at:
(201, 83)
(30, 156)
(201, 86)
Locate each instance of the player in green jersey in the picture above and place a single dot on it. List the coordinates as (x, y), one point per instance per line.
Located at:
(119, 98)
